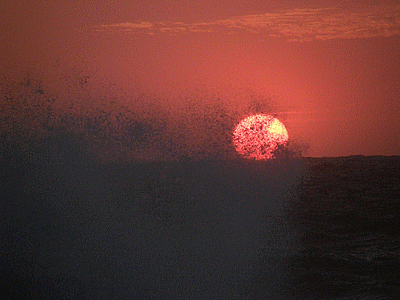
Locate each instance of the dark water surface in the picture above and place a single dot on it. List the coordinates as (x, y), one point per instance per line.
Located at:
(325, 228)
(348, 220)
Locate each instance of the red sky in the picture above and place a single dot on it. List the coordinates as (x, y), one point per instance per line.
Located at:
(330, 70)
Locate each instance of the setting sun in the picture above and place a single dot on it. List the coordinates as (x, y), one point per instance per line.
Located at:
(258, 136)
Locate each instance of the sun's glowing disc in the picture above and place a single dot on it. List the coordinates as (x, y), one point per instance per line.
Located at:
(259, 136)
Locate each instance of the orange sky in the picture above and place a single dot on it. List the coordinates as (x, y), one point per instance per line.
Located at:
(330, 70)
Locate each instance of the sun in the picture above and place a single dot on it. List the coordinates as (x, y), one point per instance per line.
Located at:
(258, 136)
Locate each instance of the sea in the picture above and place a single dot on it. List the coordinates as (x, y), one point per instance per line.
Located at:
(294, 228)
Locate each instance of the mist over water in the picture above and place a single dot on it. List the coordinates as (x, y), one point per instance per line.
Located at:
(105, 200)
(108, 200)
(128, 124)
(312, 228)
(165, 230)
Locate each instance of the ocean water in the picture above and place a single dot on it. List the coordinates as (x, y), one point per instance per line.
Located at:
(348, 220)
(305, 228)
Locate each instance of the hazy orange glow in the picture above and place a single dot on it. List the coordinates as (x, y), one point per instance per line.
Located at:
(258, 136)
(160, 79)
